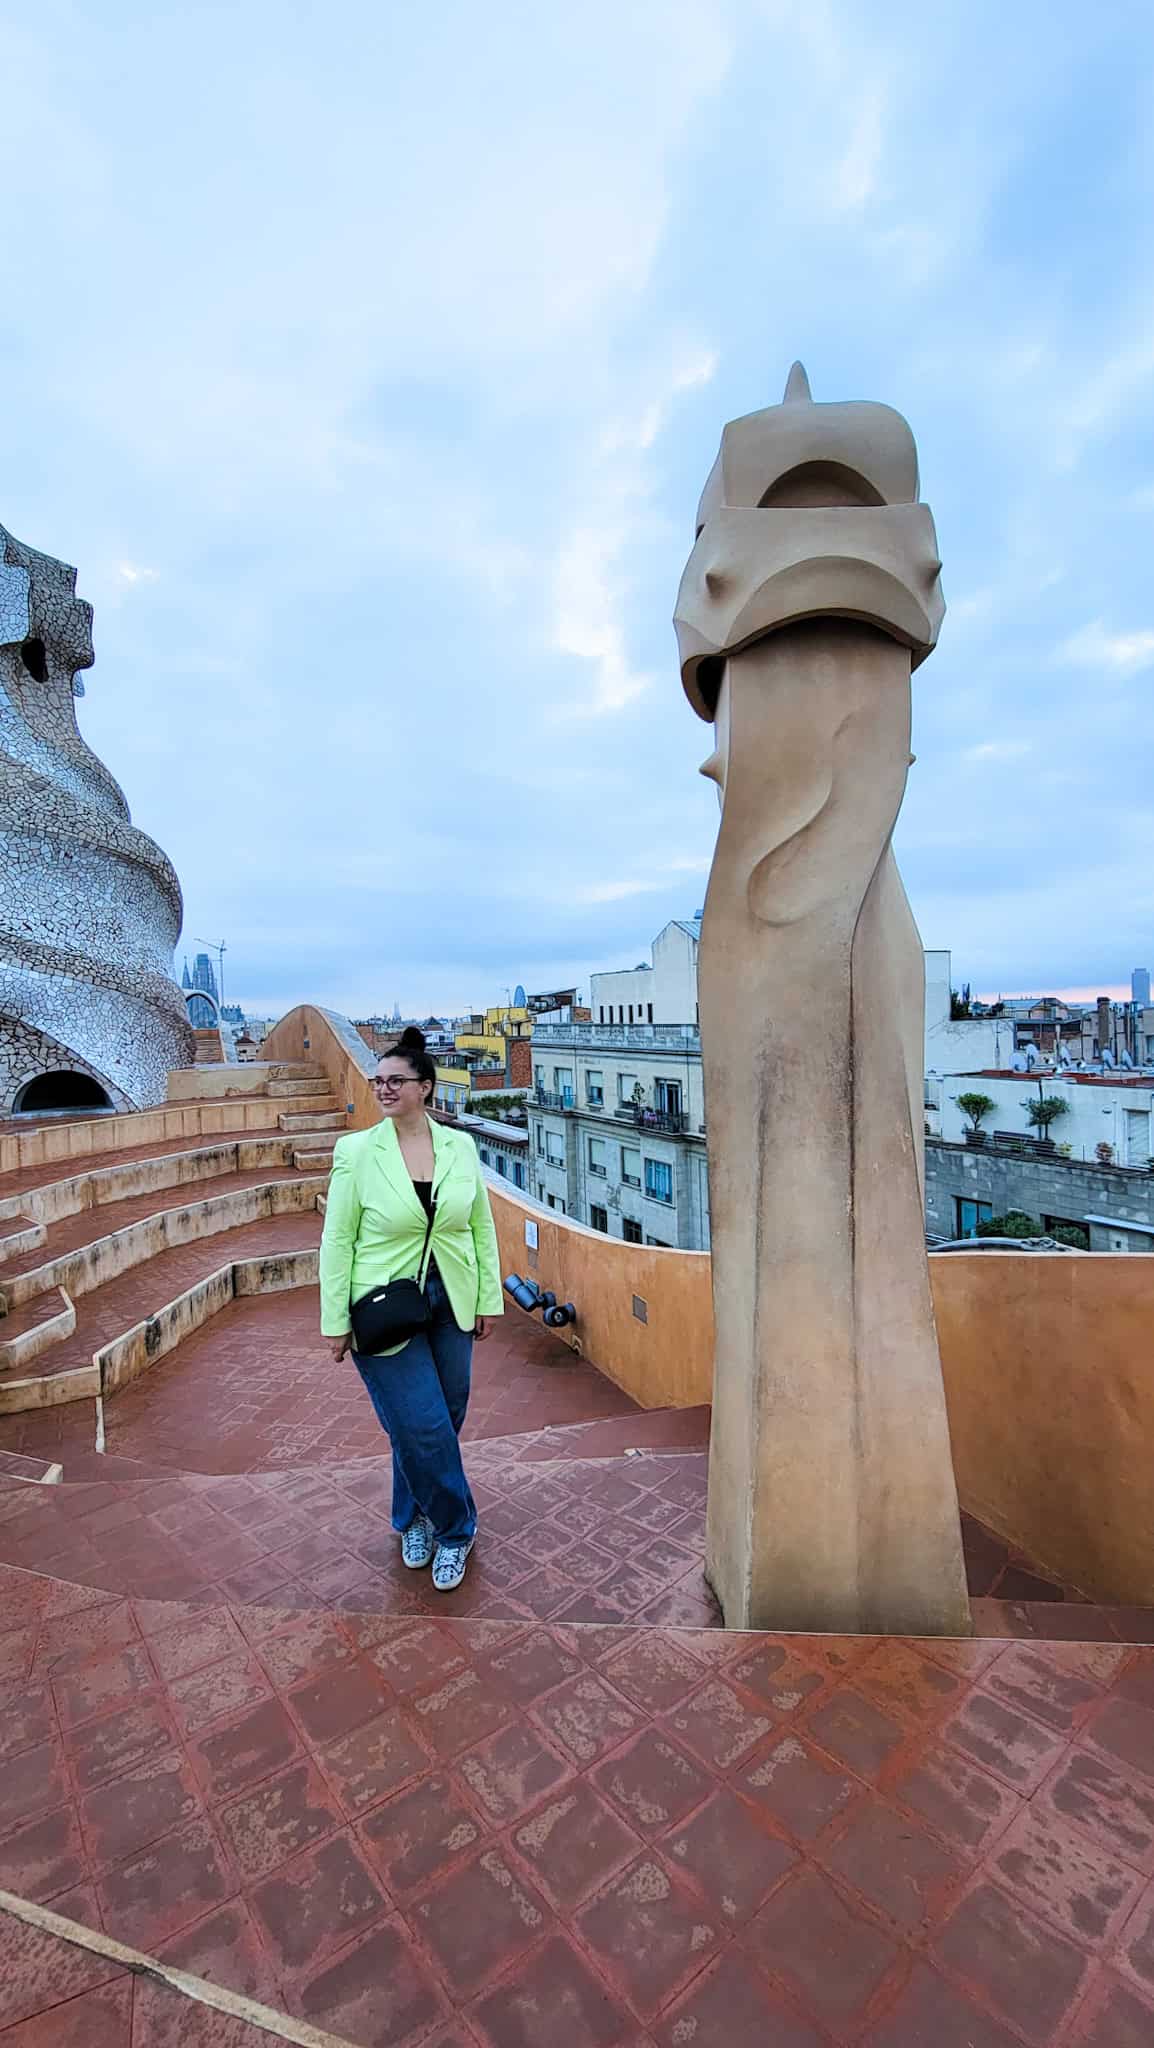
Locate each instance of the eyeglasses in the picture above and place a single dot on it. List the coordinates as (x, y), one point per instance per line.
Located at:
(393, 1082)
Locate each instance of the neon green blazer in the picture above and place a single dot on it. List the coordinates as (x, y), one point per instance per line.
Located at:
(375, 1225)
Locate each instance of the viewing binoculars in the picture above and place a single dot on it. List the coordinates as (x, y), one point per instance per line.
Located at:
(527, 1295)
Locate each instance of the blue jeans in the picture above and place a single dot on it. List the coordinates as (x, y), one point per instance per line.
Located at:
(420, 1396)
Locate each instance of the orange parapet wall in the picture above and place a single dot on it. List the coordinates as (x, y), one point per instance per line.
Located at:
(1049, 1371)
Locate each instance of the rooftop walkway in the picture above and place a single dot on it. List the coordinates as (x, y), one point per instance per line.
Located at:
(259, 1782)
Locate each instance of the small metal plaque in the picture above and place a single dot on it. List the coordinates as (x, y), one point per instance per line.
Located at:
(531, 1236)
(640, 1309)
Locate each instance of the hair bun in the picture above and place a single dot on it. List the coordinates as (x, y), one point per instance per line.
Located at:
(411, 1040)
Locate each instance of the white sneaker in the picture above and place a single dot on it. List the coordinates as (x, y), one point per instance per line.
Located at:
(450, 1565)
(417, 1543)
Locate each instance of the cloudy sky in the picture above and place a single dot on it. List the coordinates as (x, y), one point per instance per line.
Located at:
(369, 360)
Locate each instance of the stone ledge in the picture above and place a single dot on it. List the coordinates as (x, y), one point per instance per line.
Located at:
(93, 1265)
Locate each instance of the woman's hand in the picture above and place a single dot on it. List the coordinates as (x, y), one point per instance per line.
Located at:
(481, 1329)
(339, 1345)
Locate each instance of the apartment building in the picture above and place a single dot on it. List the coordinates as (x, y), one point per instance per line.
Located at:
(660, 990)
(617, 1130)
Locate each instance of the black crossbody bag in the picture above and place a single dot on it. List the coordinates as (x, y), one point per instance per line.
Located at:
(390, 1315)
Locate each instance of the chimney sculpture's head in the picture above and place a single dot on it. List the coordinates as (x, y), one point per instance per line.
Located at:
(810, 511)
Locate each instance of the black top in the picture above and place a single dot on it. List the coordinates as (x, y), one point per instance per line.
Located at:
(424, 1192)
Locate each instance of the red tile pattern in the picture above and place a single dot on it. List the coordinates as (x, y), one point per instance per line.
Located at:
(394, 1821)
(559, 1806)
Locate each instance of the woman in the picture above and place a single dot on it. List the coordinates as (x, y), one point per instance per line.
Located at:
(386, 1184)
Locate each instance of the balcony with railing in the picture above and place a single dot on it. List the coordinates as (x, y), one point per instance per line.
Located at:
(673, 1122)
(683, 1038)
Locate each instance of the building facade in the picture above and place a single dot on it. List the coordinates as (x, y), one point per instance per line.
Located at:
(662, 990)
(1113, 1206)
(503, 1149)
(617, 1130)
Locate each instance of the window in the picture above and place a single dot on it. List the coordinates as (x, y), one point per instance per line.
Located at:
(1075, 1230)
(598, 1218)
(554, 1148)
(660, 1243)
(485, 1159)
(594, 1088)
(658, 1180)
(970, 1214)
(630, 1166)
(601, 1013)
(563, 1085)
(518, 1173)
(598, 1161)
(626, 1083)
(538, 1077)
(631, 1231)
(649, 1007)
(667, 1101)
(541, 1140)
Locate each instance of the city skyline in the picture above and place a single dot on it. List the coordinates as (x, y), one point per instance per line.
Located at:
(379, 456)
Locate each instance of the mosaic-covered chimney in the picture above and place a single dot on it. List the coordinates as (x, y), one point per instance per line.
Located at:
(90, 909)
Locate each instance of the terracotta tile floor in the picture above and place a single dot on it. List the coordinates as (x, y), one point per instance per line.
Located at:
(489, 1832)
(561, 1808)
(275, 1397)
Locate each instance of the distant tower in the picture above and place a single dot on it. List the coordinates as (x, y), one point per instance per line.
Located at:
(1140, 987)
(202, 1016)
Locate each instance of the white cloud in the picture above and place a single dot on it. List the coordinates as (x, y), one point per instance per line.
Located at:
(1126, 654)
(589, 621)
(1116, 384)
(133, 572)
(613, 892)
(591, 579)
(998, 750)
(643, 432)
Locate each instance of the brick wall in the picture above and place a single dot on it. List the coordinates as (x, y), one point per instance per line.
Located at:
(520, 1063)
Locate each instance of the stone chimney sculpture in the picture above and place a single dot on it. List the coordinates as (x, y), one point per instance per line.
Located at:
(90, 909)
(811, 593)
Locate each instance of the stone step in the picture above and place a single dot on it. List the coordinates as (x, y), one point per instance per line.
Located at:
(31, 1471)
(28, 1332)
(64, 1345)
(314, 1120)
(316, 1159)
(26, 1236)
(301, 1085)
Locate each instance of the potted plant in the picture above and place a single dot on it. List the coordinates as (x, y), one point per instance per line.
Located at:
(1041, 1114)
(975, 1106)
(1104, 1152)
